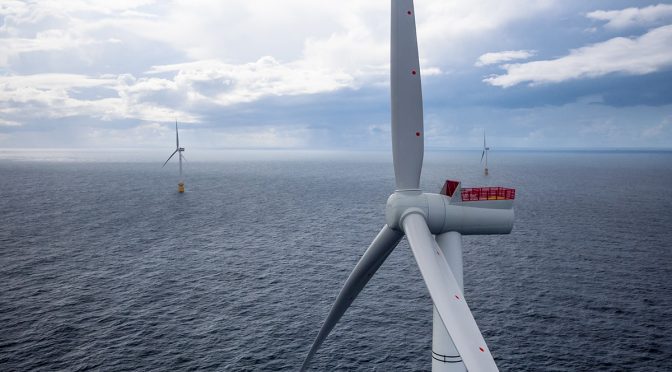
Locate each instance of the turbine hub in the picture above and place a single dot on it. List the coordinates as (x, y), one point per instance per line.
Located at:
(402, 203)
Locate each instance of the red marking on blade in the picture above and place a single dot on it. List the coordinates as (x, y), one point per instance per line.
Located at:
(481, 349)
(413, 72)
(417, 134)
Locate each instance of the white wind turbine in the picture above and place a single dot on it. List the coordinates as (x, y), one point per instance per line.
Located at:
(457, 342)
(180, 150)
(485, 153)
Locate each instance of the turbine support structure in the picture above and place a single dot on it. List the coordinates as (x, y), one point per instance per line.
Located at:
(180, 183)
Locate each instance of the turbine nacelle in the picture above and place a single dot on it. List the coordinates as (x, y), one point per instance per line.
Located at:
(443, 213)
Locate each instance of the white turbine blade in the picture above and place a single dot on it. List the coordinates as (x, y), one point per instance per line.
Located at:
(375, 255)
(177, 136)
(407, 127)
(482, 155)
(448, 299)
(171, 155)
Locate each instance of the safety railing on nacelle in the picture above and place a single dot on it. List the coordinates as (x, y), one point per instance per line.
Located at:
(488, 193)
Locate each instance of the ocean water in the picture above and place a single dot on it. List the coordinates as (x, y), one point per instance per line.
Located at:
(105, 266)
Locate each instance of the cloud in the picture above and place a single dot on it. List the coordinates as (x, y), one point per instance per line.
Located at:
(151, 133)
(654, 131)
(153, 98)
(44, 41)
(505, 56)
(625, 18)
(227, 84)
(23, 98)
(648, 53)
(56, 26)
(325, 46)
(303, 73)
(657, 131)
(9, 123)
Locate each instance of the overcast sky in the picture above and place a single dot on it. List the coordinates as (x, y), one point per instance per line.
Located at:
(315, 73)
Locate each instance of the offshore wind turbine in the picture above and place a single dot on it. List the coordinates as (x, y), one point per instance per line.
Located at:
(432, 223)
(485, 153)
(178, 150)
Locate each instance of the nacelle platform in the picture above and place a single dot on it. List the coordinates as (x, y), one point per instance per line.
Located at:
(472, 195)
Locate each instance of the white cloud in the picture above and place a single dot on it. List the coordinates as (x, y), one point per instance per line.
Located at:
(42, 96)
(635, 56)
(448, 20)
(227, 84)
(324, 46)
(50, 40)
(145, 63)
(618, 19)
(55, 25)
(654, 131)
(348, 36)
(149, 98)
(9, 123)
(505, 56)
(658, 131)
(224, 29)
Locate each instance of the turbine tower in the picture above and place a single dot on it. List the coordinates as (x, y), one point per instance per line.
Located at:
(457, 342)
(485, 153)
(180, 150)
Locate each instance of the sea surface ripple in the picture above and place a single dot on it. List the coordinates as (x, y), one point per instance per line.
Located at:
(105, 266)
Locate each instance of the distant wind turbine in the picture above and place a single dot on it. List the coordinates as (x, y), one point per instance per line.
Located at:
(180, 150)
(485, 153)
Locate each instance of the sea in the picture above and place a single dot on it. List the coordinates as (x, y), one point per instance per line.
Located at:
(105, 266)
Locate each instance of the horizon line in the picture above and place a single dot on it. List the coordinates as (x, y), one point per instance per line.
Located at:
(336, 149)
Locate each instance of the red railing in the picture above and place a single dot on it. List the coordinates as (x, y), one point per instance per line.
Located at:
(488, 193)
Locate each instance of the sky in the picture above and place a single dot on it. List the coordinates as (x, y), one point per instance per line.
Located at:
(314, 74)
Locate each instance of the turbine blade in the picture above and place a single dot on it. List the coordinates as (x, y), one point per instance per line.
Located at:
(406, 97)
(177, 136)
(375, 255)
(482, 154)
(448, 299)
(171, 155)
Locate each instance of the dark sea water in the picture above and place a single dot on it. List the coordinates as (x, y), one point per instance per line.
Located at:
(105, 266)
